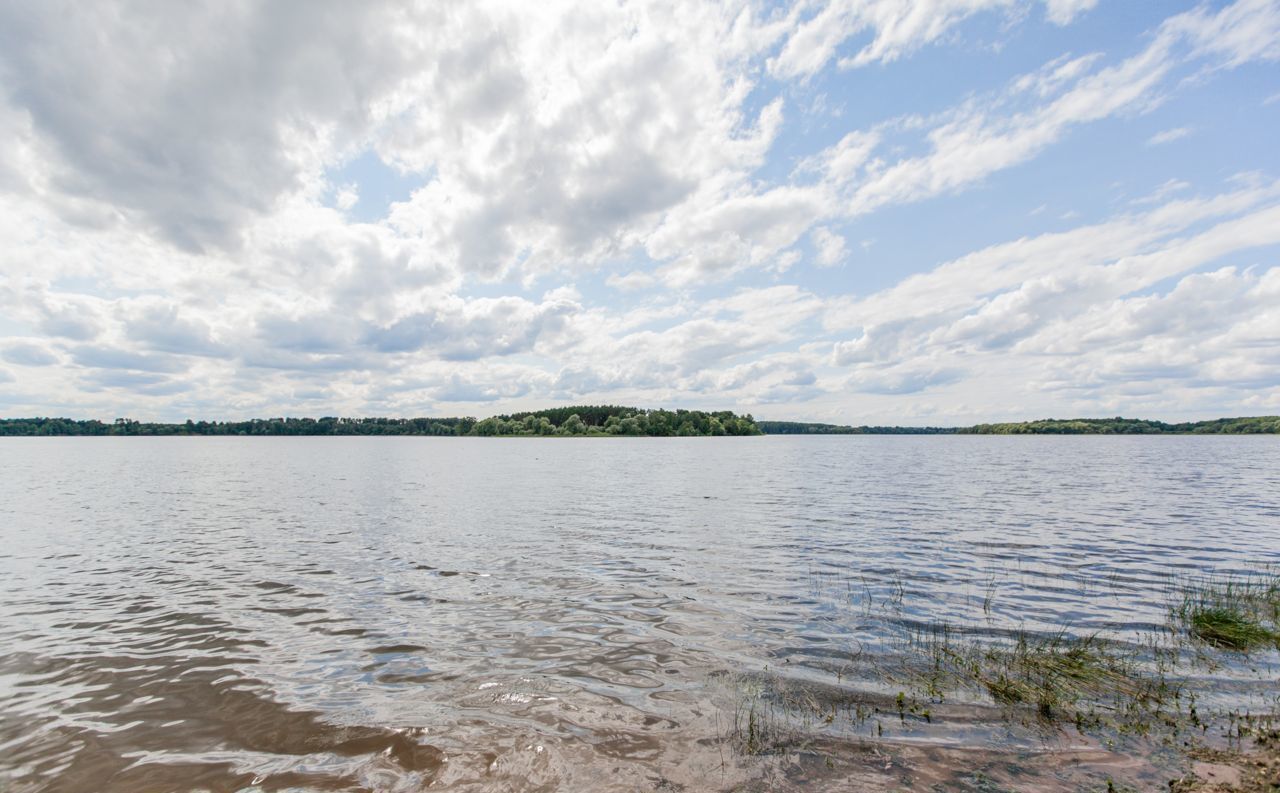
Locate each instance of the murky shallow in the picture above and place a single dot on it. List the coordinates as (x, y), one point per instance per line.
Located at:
(476, 614)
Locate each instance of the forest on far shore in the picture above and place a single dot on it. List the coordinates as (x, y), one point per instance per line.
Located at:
(583, 420)
(1247, 425)
(606, 420)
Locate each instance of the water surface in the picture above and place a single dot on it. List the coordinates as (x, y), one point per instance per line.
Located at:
(481, 614)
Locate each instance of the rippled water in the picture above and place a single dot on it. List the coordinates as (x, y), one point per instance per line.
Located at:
(389, 614)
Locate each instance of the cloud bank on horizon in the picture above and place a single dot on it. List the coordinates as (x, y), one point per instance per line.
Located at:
(934, 211)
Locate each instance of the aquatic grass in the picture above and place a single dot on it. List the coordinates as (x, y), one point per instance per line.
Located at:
(1235, 612)
(1053, 672)
(774, 713)
(1041, 681)
(769, 716)
(1058, 676)
(1095, 681)
(1146, 685)
(1228, 628)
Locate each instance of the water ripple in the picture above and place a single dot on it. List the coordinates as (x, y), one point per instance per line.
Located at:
(388, 614)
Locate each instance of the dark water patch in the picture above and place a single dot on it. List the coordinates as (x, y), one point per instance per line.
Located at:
(395, 649)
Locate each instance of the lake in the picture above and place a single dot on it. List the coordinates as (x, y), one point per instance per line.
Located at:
(585, 614)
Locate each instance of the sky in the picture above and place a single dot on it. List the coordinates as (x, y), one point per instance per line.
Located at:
(857, 211)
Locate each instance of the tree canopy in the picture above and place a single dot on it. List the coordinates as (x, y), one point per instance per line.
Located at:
(807, 428)
(618, 420)
(604, 420)
(1247, 425)
(1112, 426)
(586, 420)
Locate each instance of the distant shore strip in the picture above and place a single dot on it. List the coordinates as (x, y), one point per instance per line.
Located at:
(613, 420)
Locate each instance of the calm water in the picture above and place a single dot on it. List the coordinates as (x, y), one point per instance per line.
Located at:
(474, 614)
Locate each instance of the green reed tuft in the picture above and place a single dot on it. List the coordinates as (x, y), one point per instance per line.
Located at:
(1235, 612)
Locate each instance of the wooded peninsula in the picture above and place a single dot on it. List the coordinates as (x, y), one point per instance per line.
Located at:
(607, 420)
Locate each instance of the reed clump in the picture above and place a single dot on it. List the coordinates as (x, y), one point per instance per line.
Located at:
(1055, 673)
(1240, 613)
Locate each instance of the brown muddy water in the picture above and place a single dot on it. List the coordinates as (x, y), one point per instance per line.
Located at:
(601, 614)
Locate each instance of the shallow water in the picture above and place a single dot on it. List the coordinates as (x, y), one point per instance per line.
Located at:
(395, 613)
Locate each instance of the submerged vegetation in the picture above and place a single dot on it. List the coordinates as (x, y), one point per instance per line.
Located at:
(588, 420)
(1152, 688)
(1060, 676)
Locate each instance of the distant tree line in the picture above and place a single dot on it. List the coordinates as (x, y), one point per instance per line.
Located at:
(601, 420)
(1249, 425)
(586, 420)
(329, 425)
(806, 428)
(617, 420)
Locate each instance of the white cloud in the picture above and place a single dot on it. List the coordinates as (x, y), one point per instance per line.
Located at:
(545, 159)
(347, 197)
(830, 247)
(898, 27)
(974, 142)
(960, 284)
(1164, 191)
(196, 137)
(1082, 313)
(632, 281)
(1168, 136)
(982, 137)
(25, 353)
(714, 239)
(178, 200)
(1064, 12)
(1246, 30)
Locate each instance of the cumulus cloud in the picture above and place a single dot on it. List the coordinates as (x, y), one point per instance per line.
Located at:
(550, 158)
(829, 246)
(902, 380)
(27, 354)
(163, 327)
(1145, 246)
(117, 358)
(192, 120)
(71, 321)
(468, 330)
(458, 389)
(602, 201)
(1092, 326)
(715, 241)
